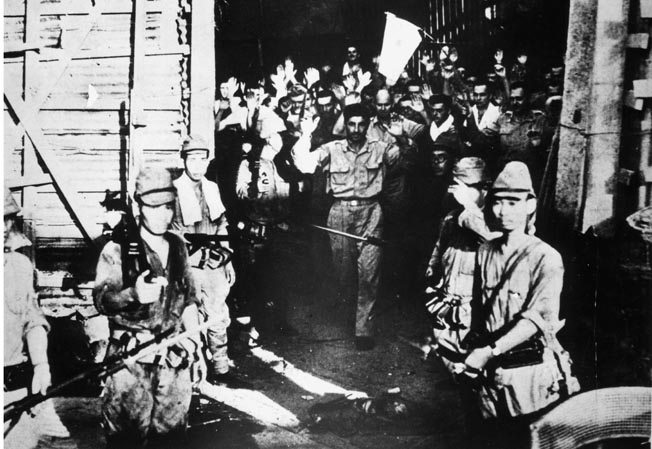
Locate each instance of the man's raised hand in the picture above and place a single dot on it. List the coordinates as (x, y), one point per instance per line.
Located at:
(349, 83)
(308, 125)
(290, 71)
(364, 79)
(232, 85)
(311, 76)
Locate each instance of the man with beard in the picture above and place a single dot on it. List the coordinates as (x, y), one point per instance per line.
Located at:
(356, 167)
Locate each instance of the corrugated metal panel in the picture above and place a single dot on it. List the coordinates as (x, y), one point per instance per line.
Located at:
(104, 84)
(57, 7)
(14, 29)
(81, 123)
(104, 122)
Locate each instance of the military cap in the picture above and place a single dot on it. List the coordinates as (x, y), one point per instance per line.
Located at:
(154, 187)
(514, 178)
(193, 144)
(471, 170)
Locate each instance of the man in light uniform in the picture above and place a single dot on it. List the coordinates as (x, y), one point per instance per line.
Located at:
(26, 367)
(356, 169)
(520, 281)
(199, 210)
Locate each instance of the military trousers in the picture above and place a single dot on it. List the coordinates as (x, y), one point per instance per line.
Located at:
(145, 401)
(356, 263)
(214, 288)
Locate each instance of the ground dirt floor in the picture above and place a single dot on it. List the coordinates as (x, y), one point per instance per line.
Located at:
(289, 375)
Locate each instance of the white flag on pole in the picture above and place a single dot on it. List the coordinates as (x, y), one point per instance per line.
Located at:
(400, 40)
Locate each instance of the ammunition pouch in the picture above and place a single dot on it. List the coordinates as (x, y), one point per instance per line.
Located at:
(18, 376)
(254, 231)
(445, 310)
(175, 356)
(214, 257)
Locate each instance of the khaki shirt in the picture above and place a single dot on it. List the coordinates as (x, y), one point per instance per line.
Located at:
(22, 313)
(519, 134)
(350, 174)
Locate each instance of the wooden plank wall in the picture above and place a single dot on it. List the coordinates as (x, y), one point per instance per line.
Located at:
(80, 117)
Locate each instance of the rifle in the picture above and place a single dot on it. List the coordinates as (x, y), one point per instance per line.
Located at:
(127, 235)
(110, 366)
(198, 241)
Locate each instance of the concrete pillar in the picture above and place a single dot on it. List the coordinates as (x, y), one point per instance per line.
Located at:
(590, 142)
(575, 111)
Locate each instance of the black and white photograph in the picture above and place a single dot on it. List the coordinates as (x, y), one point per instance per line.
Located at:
(327, 224)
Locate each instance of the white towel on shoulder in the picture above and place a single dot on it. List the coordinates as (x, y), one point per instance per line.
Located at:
(189, 203)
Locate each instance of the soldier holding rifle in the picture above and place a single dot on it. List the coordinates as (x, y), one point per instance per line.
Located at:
(149, 401)
(199, 210)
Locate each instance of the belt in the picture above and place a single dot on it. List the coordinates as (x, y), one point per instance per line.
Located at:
(358, 201)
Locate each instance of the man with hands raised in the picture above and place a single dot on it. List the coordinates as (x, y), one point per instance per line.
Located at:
(355, 169)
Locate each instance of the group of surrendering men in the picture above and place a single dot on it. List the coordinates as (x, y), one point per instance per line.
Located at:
(447, 164)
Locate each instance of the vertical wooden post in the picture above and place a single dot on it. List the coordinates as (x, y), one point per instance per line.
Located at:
(202, 71)
(136, 112)
(31, 166)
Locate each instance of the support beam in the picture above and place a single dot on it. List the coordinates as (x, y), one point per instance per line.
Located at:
(137, 118)
(27, 181)
(592, 114)
(202, 71)
(58, 171)
(31, 168)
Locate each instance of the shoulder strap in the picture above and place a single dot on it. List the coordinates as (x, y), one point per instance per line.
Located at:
(514, 260)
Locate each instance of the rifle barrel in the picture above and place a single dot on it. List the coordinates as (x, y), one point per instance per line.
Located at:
(106, 368)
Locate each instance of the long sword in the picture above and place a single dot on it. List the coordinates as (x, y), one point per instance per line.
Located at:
(371, 239)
